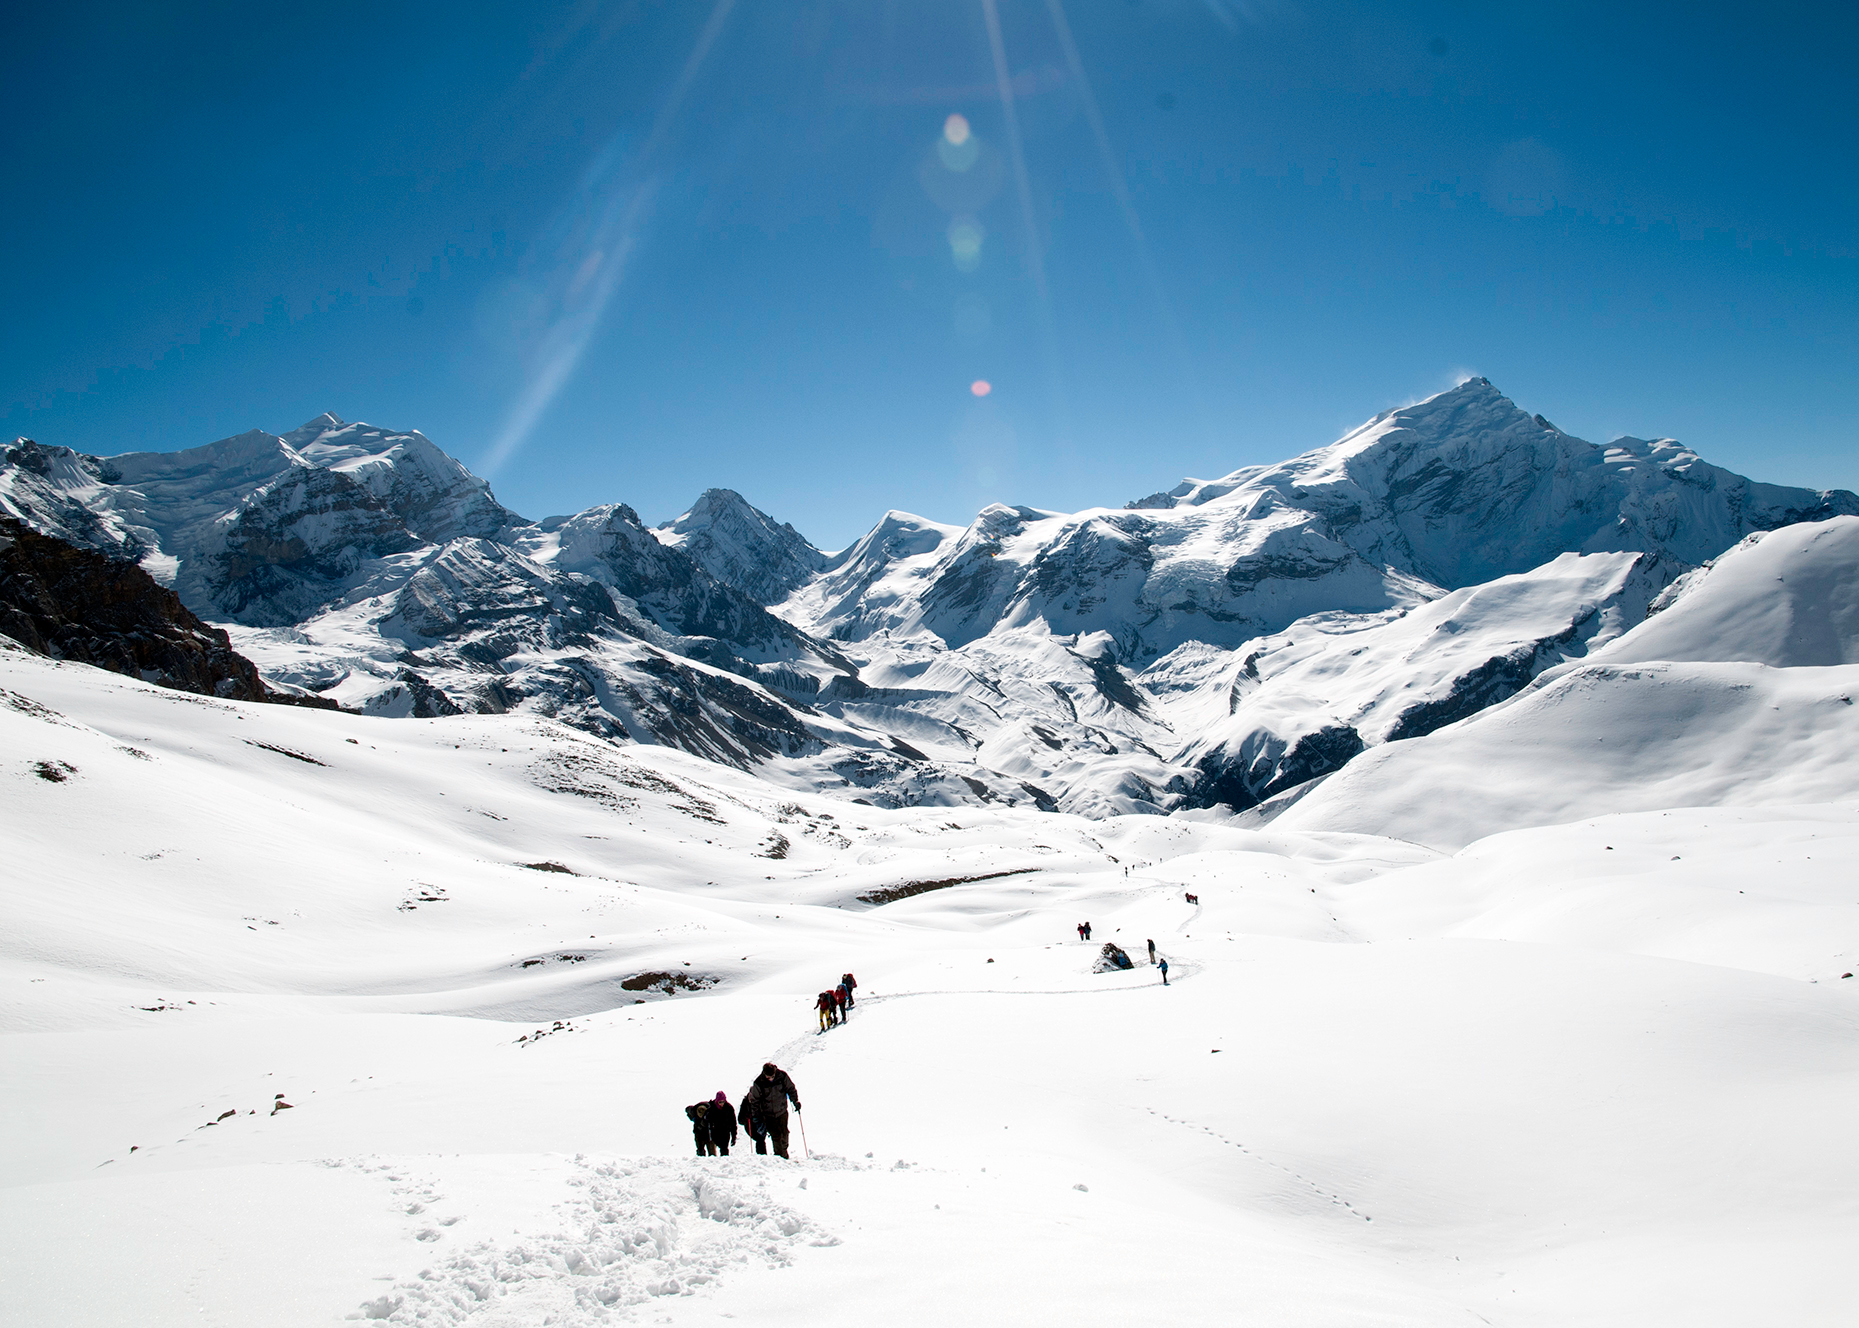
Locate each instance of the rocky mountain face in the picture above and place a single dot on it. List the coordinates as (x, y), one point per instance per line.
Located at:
(743, 547)
(1223, 641)
(70, 603)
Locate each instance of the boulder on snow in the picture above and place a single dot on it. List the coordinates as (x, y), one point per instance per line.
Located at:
(1110, 959)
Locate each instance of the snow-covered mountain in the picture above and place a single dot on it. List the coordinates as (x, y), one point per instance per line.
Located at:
(743, 547)
(1220, 642)
(1742, 689)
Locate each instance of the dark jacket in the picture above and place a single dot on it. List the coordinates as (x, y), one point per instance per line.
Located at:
(722, 1123)
(713, 1121)
(767, 1100)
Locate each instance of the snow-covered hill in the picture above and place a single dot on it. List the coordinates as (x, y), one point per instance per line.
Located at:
(303, 1021)
(1737, 692)
(1304, 702)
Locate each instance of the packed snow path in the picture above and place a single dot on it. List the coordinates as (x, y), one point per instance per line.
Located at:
(1592, 1073)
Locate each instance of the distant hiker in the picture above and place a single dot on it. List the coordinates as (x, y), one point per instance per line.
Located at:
(1087, 931)
(713, 1125)
(850, 983)
(1152, 952)
(1192, 899)
(828, 1008)
(766, 1105)
(1163, 965)
(841, 998)
(1081, 931)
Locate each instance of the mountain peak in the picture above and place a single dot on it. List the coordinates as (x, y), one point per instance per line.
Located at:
(711, 505)
(322, 423)
(742, 546)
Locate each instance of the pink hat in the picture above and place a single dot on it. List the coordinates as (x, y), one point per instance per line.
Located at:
(722, 1096)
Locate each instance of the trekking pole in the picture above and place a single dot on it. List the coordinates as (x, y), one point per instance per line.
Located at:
(804, 1151)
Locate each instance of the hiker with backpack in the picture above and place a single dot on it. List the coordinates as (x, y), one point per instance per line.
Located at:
(841, 999)
(1087, 931)
(1163, 965)
(713, 1125)
(850, 983)
(1152, 952)
(765, 1106)
(828, 1008)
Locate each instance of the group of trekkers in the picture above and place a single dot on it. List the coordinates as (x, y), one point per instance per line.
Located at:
(714, 1124)
(1084, 931)
(835, 1001)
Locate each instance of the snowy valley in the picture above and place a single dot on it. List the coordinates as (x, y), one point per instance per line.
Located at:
(1491, 795)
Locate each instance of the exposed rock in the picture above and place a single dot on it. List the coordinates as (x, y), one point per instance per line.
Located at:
(76, 604)
(1111, 959)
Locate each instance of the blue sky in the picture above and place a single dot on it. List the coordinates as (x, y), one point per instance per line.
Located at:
(630, 250)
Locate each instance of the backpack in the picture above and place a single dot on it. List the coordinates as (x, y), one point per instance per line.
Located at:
(697, 1111)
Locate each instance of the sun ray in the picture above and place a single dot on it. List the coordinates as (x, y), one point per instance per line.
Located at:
(603, 222)
(1036, 258)
(1119, 187)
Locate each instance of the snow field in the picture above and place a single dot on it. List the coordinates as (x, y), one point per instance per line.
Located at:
(1593, 1073)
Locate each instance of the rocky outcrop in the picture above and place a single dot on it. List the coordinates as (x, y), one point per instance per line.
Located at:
(76, 604)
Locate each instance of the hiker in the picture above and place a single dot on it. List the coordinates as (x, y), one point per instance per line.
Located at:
(722, 1118)
(828, 1008)
(1081, 931)
(841, 999)
(1192, 899)
(766, 1104)
(752, 1125)
(850, 983)
(713, 1126)
(1163, 965)
(1087, 931)
(1152, 952)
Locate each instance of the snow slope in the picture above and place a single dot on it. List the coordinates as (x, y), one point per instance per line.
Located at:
(1736, 692)
(1305, 702)
(1569, 1076)
(1788, 598)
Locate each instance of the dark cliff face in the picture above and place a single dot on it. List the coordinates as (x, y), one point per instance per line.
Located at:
(71, 603)
(290, 549)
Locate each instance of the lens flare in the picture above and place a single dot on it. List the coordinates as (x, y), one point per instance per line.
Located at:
(981, 387)
(955, 129)
(965, 236)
